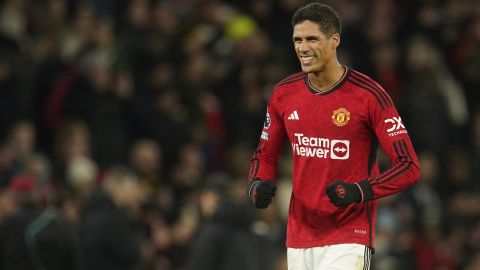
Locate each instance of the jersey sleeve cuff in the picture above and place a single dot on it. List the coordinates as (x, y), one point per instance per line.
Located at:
(250, 188)
(366, 190)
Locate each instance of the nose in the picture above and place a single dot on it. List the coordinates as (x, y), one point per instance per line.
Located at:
(303, 47)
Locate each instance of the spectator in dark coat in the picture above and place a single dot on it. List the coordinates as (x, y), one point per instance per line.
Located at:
(108, 238)
(226, 241)
(32, 238)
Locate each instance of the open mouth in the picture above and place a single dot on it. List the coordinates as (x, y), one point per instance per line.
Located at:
(306, 59)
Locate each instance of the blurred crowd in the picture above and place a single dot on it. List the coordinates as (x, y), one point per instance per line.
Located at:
(127, 128)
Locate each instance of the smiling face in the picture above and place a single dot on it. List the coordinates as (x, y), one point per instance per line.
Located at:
(314, 49)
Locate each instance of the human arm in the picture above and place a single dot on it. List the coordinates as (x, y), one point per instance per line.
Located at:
(261, 187)
(389, 132)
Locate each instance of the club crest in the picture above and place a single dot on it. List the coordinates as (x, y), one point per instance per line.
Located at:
(340, 191)
(341, 117)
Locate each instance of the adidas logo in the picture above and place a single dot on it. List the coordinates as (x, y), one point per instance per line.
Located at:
(293, 116)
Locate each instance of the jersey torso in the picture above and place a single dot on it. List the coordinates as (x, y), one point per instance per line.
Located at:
(330, 140)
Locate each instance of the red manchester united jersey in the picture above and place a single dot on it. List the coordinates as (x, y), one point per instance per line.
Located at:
(334, 135)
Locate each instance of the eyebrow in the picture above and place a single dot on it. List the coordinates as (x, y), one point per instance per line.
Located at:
(295, 38)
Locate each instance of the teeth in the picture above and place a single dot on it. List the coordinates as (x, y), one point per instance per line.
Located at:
(307, 59)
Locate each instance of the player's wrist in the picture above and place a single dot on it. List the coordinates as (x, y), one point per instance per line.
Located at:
(366, 190)
(251, 188)
(261, 192)
(359, 196)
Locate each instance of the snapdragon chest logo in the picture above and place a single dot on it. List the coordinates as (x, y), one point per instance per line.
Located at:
(317, 147)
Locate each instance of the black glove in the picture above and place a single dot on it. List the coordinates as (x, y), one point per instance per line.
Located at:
(261, 193)
(342, 194)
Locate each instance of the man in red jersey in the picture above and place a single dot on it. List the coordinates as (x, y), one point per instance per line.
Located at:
(335, 118)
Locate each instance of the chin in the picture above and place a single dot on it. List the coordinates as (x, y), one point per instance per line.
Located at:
(307, 69)
(310, 69)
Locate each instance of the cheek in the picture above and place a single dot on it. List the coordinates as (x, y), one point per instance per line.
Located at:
(325, 54)
(320, 53)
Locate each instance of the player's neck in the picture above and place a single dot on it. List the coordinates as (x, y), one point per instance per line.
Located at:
(325, 79)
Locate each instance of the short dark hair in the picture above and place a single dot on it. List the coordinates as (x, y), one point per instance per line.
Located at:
(325, 16)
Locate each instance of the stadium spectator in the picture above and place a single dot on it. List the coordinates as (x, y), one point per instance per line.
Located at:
(226, 240)
(109, 239)
(33, 237)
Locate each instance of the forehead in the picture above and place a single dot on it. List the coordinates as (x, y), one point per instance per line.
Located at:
(307, 28)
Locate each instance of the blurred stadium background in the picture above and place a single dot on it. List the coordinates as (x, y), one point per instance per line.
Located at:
(175, 92)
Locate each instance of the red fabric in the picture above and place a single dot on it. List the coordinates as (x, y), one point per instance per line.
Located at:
(465, 45)
(333, 137)
(53, 109)
(425, 253)
(22, 184)
(216, 126)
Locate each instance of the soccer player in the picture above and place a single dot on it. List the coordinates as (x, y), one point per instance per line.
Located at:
(335, 118)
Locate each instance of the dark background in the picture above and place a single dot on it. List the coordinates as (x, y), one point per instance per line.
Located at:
(176, 91)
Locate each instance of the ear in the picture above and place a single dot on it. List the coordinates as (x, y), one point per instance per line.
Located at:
(335, 40)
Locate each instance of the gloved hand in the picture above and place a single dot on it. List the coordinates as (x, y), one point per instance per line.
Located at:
(261, 193)
(342, 194)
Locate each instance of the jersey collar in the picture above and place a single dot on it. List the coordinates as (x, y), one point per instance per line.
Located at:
(329, 90)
